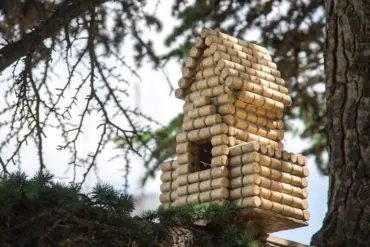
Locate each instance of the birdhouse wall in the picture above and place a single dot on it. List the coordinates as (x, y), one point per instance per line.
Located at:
(231, 146)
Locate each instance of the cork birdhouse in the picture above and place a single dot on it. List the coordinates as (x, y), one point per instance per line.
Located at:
(231, 146)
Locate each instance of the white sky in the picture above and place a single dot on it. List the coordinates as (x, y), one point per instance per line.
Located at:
(157, 103)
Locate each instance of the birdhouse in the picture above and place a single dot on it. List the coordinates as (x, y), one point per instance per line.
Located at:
(231, 146)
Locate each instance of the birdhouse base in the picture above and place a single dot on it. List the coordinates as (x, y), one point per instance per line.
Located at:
(271, 222)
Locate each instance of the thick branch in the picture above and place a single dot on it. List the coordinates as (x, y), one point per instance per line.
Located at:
(63, 14)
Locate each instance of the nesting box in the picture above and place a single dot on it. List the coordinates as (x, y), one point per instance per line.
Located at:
(231, 146)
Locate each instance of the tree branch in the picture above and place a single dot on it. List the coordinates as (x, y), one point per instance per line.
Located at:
(63, 14)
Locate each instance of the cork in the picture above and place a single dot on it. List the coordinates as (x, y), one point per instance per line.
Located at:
(260, 101)
(186, 169)
(180, 93)
(223, 99)
(193, 198)
(218, 52)
(278, 154)
(205, 175)
(202, 111)
(214, 184)
(167, 197)
(193, 177)
(283, 166)
(206, 83)
(260, 86)
(188, 73)
(191, 62)
(244, 159)
(220, 150)
(212, 92)
(202, 101)
(301, 160)
(224, 37)
(221, 160)
(253, 76)
(185, 147)
(188, 107)
(181, 137)
(245, 67)
(205, 196)
(184, 83)
(245, 136)
(226, 109)
(232, 142)
(207, 72)
(168, 165)
(263, 149)
(253, 168)
(185, 158)
(168, 186)
(168, 176)
(245, 191)
(245, 180)
(245, 148)
(201, 122)
(219, 140)
(195, 52)
(253, 201)
(273, 115)
(220, 193)
(182, 190)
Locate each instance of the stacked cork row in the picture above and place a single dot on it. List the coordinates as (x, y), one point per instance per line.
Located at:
(227, 80)
(268, 178)
(169, 183)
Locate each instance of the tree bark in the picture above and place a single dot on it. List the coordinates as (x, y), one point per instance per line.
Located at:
(347, 222)
(63, 14)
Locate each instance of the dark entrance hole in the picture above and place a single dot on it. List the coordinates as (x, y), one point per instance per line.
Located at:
(205, 155)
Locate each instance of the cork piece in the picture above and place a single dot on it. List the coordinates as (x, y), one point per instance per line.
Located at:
(220, 150)
(212, 92)
(260, 101)
(215, 52)
(184, 83)
(252, 76)
(168, 165)
(201, 122)
(203, 186)
(208, 82)
(259, 120)
(202, 134)
(264, 72)
(169, 176)
(223, 99)
(221, 160)
(237, 83)
(275, 135)
(208, 32)
(180, 93)
(245, 136)
(168, 197)
(202, 101)
(272, 115)
(168, 186)
(195, 177)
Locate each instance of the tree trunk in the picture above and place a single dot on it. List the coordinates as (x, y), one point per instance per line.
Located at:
(347, 222)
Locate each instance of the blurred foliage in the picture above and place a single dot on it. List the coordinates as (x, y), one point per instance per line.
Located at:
(293, 32)
(40, 211)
